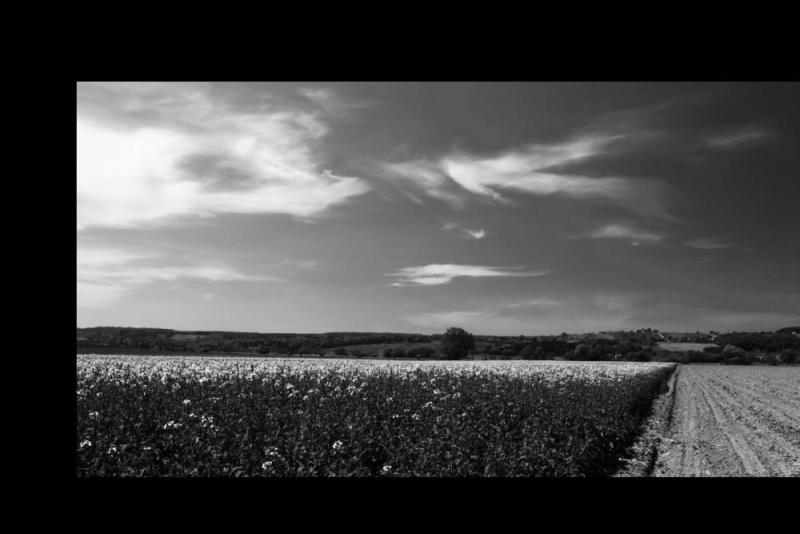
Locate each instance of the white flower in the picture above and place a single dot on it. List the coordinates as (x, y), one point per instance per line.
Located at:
(266, 465)
(85, 443)
(94, 415)
(112, 450)
(386, 469)
(337, 445)
(186, 401)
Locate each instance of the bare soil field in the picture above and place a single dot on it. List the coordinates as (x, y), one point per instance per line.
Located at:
(733, 421)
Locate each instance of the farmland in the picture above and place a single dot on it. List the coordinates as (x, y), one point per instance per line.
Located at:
(680, 347)
(196, 416)
(733, 421)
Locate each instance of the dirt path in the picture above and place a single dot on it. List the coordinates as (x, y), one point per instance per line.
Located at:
(733, 421)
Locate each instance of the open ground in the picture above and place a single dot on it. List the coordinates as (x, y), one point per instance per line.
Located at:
(733, 421)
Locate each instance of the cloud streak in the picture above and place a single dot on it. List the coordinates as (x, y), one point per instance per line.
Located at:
(438, 274)
(621, 231)
(704, 243)
(466, 232)
(734, 139)
(534, 169)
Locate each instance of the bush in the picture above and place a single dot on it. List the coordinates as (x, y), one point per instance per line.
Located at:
(426, 352)
(732, 350)
(789, 356)
(527, 353)
(737, 360)
(340, 351)
(457, 343)
(639, 356)
(581, 352)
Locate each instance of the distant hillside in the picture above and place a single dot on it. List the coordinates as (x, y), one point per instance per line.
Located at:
(638, 345)
(160, 339)
(789, 330)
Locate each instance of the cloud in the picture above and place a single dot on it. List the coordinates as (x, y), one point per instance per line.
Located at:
(533, 303)
(428, 178)
(466, 232)
(105, 275)
(148, 154)
(476, 234)
(333, 103)
(745, 136)
(706, 243)
(446, 318)
(620, 231)
(304, 264)
(437, 274)
(535, 169)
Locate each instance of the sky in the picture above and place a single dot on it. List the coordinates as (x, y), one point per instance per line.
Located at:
(501, 208)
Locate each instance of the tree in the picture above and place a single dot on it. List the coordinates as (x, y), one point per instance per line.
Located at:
(456, 343)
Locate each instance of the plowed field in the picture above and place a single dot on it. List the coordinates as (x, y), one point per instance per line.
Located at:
(733, 421)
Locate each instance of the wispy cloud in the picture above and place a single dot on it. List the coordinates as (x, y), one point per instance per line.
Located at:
(104, 275)
(733, 139)
(446, 318)
(437, 274)
(621, 231)
(533, 303)
(705, 243)
(148, 154)
(427, 177)
(476, 234)
(332, 102)
(466, 232)
(536, 169)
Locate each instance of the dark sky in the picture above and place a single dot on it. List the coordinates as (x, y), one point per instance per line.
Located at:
(503, 208)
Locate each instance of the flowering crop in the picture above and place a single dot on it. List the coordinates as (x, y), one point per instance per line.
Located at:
(194, 416)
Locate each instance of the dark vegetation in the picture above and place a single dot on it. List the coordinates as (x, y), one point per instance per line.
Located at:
(457, 343)
(166, 418)
(773, 348)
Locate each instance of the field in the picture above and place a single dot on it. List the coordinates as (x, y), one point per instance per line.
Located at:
(733, 421)
(195, 416)
(681, 347)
